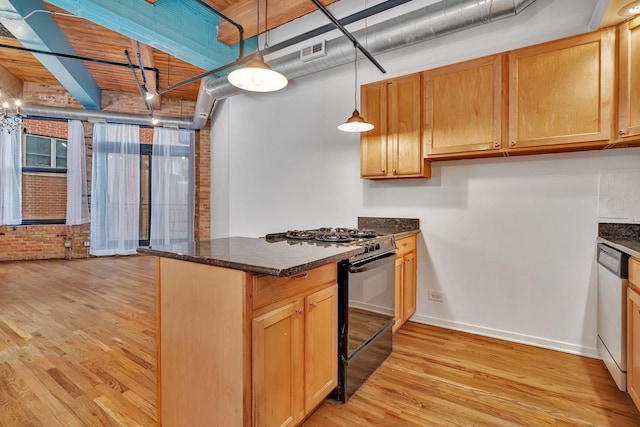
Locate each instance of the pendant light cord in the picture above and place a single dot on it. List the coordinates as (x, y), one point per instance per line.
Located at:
(258, 25)
(355, 89)
(266, 25)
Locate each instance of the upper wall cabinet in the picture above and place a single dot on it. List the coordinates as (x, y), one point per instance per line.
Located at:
(629, 81)
(463, 108)
(561, 94)
(393, 149)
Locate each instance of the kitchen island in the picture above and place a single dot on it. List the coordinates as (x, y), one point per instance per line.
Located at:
(246, 330)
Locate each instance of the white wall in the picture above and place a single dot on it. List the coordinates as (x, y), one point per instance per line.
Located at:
(510, 241)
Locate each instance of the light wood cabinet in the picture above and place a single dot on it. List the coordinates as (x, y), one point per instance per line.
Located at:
(393, 149)
(295, 362)
(629, 81)
(278, 342)
(561, 94)
(406, 273)
(633, 331)
(464, 106)
(238, 349)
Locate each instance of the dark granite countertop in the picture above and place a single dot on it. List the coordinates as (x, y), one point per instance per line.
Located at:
(399, 227)
(256, 255)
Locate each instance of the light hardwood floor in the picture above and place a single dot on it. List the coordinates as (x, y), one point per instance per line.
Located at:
(77, 348)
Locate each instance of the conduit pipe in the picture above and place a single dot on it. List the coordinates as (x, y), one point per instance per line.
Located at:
(435, 20)
(35, 111)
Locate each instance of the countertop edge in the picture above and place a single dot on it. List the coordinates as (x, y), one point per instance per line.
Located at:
(621, 245)
(251, 268)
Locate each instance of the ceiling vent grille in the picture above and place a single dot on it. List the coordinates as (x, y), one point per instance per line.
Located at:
(312, 52)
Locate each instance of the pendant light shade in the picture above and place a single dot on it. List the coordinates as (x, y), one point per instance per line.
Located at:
(257, 76)
(355, 123)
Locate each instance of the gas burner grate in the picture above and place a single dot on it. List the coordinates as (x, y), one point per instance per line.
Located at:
(334, 236)
(301, 234)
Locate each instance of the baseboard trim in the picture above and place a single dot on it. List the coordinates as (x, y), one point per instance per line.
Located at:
(564, 347)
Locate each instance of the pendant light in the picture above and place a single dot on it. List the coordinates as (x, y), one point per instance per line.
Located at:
(256, 75)
(355, 123)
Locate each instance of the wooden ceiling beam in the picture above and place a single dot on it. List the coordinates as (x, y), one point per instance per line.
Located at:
(10, 85)
(279, 12)
(146, 56)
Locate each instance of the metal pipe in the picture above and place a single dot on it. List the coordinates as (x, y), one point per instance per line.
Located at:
(82, 58)
(41, 111)
(358, 16)
(230, 21)
(350, 36)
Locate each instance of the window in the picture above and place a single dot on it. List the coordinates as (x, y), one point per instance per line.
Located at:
(43, 152)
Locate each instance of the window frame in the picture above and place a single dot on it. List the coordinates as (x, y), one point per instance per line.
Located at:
(52, 155)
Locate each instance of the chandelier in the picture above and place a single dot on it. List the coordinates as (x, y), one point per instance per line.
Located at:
(11, 118)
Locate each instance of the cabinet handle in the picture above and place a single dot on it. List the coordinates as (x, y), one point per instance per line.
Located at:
(622, 132)
(512, 144)
(300, 276)
(496, 144)
(383, 171)
(313, 304)
(299, 310)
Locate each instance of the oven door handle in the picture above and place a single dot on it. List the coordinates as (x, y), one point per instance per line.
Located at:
(370, 265)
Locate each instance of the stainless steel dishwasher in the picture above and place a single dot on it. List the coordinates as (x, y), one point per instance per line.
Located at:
(612, 311)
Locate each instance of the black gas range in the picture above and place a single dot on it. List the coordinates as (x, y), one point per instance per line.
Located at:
(366, 300)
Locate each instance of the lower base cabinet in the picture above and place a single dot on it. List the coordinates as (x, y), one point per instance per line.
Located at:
(238, 349)
(633, 331)
(295, 364)
(406, 270)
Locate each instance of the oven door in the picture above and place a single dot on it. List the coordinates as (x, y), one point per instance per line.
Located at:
(370, 300)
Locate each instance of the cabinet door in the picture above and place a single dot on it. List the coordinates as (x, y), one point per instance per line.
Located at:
(629, 80)
(560, 93)
(463, 107)
(409, 287)
(397, 319)
(321, 345)
(633, 345)
(403, 122)
(278, 383)
(373, 144)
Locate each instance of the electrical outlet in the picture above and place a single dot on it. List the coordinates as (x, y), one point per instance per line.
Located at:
(87, 243)
(436, 296)
(67, 243)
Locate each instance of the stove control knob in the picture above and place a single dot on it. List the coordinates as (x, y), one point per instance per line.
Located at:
(366, 249)
(377, 245)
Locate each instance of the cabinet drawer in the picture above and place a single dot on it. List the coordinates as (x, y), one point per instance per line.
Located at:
(270, 289)
(406, 245)
(634, 272)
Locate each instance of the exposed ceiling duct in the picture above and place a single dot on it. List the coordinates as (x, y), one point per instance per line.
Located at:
(438, 19)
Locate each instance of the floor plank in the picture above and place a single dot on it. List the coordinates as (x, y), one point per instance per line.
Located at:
(77, 348)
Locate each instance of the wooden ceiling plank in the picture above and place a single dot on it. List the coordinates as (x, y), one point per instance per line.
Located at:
(279, 12)
(146, 56)
(10, 84)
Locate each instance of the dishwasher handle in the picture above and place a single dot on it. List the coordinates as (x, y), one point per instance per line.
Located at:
(613, 260)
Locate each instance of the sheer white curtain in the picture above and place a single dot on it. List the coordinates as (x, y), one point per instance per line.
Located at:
(77, 199)
(11, 177)
(115, 189)
(172, 186)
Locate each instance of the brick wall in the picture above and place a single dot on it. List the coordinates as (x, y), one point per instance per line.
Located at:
(43, 241)
(44, 196)
(48, 241)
